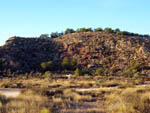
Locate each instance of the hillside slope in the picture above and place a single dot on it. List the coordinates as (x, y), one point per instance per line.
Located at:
(114, 53)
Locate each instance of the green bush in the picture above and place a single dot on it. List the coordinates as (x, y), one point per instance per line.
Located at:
(128, 72)
(86, 71)
(118, 33)
(68, 31)
(73, 64)
(117, 30)
(84, 30)
(125, 33)
(55, 34)
(47, 66)
(132, 69)
(146, 35)
(47, 74)
(99, 29)
(44, 36)
(99, 71)
(81, 30)
(108, 30)
(69, 64)
(45, 110)
(89, 30)
(65, 63)
(77, 72)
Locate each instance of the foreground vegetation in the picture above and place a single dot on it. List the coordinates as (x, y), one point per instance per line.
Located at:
(81, 94)
(83, 71)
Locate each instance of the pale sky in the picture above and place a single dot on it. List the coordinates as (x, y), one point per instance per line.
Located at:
(34, 17)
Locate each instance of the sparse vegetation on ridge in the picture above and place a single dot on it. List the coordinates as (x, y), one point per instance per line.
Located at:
(85, 49)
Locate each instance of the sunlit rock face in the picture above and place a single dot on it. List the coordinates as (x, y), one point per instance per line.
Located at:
(112, 52)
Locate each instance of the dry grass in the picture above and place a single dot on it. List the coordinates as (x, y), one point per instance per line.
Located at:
(131, 100)
(60, 95)
(28, 102)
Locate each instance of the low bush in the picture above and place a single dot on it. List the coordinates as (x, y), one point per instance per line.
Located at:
(86, 71)
(108, 30)
(45, 110)
(99, 29)
(44, 36)
(77, 72)
(84, 30)
(99, 71)
(132, 69)
(47, 74)
(68, 31)
(45, 66)
(68, 64)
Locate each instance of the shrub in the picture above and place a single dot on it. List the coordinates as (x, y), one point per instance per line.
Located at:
(117, 30)
(132, 69)
(86, 71)
(128, 72)
(146, 35)
(99, 29)
(45, 110)
(134, 65)
(44, 36)
(47, 74)
(77, 72)
(100, 71)
(65, 63)
(55, 34)
(81, 30)
(69, 64)
(125, 33)
(84, 30)
(108, 30)
(73, 64)
(118, 33)
(68, 31)
(47, 66)
(89, 30)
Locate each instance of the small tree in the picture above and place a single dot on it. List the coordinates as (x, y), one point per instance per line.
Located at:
(55, 34)
(65, 63)
(99, 29)
(44, 36)
(68, 31)
(125, 33)
(81, 30)
(89, 30)
(118, 33)
(108, 30)
(117, 30)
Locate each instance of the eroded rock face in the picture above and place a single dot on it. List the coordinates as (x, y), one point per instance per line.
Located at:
(107, 50)
(26, 54)
(92, 50)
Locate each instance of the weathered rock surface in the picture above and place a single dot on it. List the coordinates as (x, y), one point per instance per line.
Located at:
(92, 50)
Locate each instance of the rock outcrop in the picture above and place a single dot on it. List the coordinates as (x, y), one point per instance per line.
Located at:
(112, 52)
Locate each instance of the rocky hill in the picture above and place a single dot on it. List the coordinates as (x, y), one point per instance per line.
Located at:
(116, 54)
